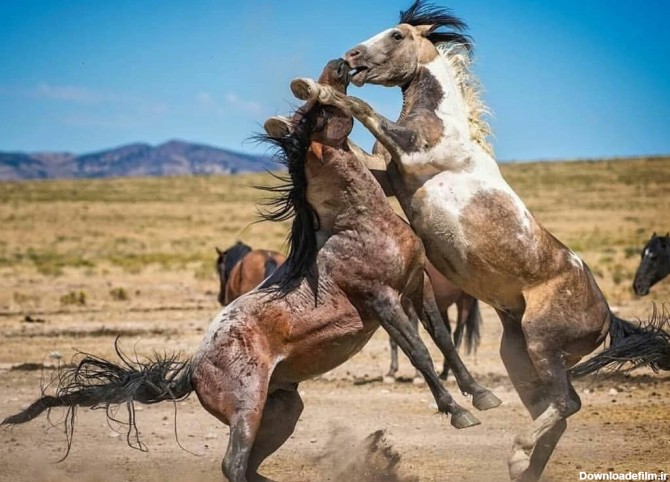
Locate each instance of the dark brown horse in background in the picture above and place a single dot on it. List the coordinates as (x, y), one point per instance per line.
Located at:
(468, 319)
(241, 269)
(654, 264)
(352, 265)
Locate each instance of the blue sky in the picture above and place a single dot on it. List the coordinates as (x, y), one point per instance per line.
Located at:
(565, 79)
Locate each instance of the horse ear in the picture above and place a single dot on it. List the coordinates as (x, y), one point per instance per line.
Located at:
(277, 126)
(653, 235)
(218, 251)
(425, 30)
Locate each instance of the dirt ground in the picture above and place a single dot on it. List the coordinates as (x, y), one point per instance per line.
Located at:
(623, 426)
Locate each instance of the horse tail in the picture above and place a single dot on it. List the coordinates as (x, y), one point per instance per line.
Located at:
(271, 266)
(99, 383)
(632, 346)
(472, 324)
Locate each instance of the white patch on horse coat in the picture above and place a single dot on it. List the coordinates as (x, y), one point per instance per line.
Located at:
(576, 260)
(372, 40)
(454, 172)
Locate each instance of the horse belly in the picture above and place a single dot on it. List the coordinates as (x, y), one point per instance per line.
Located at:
(326, 348)
(478, 233)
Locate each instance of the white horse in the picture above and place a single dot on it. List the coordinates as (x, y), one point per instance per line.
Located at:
(475, 228)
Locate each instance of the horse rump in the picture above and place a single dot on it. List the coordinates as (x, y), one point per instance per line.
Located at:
(632, 346)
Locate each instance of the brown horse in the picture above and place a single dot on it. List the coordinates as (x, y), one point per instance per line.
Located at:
(468, 319)
(478, 232)
(352, 265)
(241, 269)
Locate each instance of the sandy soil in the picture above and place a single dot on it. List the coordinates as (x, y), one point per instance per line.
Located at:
(623, 426)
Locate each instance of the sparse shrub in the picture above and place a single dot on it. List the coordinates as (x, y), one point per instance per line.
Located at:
(618, 274)
(74, 298)
(22, 298)
(204, 271)
(607, 260)
(119, 294)
(631, 251)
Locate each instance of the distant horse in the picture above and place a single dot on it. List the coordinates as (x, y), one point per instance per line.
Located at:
(352, 265)
(241, 269)
(654, 265)
(478, 232)
(468, 318)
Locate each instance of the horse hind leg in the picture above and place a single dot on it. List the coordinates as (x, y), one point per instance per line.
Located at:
(540, 379)
(444, 374)
(393, 367)
(237, 396)
(280, 416)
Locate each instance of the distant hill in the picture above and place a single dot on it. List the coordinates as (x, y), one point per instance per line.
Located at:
(169, 159)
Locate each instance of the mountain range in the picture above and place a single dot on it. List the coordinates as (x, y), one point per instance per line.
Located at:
(172, 158)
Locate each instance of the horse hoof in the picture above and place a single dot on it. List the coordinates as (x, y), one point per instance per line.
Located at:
(485, 401)
(304, 89)
(388, 379)
(518, 465)
(464, 419)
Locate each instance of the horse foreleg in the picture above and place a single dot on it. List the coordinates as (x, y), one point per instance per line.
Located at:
(482, 398)
(392, 136)
(398, 325)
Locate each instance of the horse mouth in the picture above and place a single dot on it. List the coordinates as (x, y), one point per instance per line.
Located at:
(641, 291)
(358, 75)
(640, 287)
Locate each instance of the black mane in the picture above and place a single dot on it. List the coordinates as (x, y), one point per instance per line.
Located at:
(657, 244)
(291, 202)
(422, 13)
(232, 256)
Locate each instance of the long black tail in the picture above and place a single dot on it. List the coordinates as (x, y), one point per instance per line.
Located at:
(632, 346)
(98, 383)
(472, 324)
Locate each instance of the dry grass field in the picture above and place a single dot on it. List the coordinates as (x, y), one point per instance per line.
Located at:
(84, 260)
(136, 233)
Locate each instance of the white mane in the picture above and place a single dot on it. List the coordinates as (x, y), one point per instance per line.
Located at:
(458, 57)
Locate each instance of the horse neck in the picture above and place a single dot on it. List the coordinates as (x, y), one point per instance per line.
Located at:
(340, 188)
(435, 88)
(666, 256)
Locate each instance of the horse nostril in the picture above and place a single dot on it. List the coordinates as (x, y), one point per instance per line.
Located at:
(352, 54)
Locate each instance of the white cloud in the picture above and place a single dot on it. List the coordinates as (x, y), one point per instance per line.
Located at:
(230, 100)
(248, 106)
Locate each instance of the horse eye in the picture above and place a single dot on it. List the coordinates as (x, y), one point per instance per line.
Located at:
(397, 36)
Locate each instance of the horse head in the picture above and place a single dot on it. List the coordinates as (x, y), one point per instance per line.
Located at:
(654, 264)
(392, 57)
(320, 123)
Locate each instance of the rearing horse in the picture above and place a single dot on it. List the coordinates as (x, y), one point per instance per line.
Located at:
(478, 232)
(353, 264)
